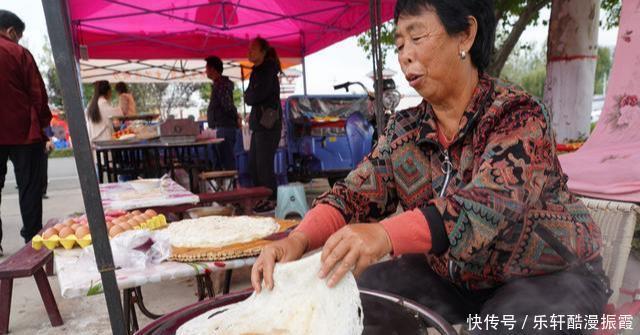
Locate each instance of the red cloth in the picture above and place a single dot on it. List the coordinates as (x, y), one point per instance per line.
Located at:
(319, 223)
(409, 232)
(24, 110)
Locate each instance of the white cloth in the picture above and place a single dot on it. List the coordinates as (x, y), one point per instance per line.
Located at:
(103, 130)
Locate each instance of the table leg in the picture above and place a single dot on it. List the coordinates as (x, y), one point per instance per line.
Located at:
(209, 286)
(49, 267)
(100, 159)
(126, 304)
(227, 282)
(47, 297)
(200, 287)
(6, 287)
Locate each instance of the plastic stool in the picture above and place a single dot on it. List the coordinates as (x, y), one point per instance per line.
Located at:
(291, 200)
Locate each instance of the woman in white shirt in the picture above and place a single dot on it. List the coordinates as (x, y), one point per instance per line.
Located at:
(100, 112)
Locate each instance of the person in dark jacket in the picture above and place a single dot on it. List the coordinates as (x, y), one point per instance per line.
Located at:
(265, 120)
(24, 113)
(489, 229)
(222, 114)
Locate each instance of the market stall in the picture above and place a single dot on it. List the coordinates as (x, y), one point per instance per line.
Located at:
(109, 29)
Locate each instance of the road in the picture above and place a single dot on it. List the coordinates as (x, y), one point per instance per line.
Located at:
(63, 175)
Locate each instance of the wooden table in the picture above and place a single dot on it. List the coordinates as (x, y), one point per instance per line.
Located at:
(152, 159)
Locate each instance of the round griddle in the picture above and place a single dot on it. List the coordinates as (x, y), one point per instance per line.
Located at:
(383, 314)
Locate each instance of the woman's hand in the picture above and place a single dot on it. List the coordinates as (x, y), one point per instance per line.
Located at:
(288, 249)
(355, 246)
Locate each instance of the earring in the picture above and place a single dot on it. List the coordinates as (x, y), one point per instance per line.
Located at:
(463, 54)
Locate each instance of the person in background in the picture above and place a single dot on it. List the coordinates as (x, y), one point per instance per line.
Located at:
(265, 120)
(48, 148)
(222, 114)
(125, 100)
(488, 226)
(99, 112)
(24, 113)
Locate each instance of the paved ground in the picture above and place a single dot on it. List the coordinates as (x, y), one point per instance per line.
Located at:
(89, 315)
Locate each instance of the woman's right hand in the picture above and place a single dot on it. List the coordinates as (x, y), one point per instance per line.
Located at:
(288, 249)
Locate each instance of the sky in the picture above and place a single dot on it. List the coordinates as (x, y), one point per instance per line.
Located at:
(324, 69)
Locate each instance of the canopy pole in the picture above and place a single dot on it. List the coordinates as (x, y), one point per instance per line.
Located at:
(59, 27)
(304, 76)
(376, 57)
(304, 65)
(244, 106)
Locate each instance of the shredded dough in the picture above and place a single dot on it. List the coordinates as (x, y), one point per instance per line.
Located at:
(220, 231)
(300, 303)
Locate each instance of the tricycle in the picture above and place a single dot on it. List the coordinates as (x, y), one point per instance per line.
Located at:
(328, 135)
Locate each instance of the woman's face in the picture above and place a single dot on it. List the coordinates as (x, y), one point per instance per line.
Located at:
(428, 56)
(256, 54)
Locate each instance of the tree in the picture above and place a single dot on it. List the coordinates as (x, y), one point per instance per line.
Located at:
(177, 95)
(573, 38)
(513, 17)
(50, 75)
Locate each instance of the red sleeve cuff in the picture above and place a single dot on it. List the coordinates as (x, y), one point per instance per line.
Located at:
(409, 232)
(319, 224)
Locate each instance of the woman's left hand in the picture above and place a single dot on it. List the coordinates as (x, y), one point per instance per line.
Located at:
(355, 246)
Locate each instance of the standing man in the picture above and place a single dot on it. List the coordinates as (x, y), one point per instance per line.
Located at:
(222, 113)
(24, 113)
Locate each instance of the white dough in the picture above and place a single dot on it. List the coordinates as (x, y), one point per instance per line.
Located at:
(220, 231)
(300, 303)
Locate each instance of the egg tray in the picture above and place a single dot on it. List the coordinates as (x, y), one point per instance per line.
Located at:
(70, 241)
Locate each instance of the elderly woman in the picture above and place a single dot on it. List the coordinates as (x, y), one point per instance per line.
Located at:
(488, 225)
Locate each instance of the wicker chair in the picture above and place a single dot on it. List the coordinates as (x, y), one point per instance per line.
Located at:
(617, 221)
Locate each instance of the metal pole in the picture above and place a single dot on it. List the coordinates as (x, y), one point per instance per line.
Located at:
(376, 55)
(304, 65)
(59, 27)
(304, 76)
(244, 106)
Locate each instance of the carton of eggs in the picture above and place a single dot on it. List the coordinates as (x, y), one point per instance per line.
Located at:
(76, 230)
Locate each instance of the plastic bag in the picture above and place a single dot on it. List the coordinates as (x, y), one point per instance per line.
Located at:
(127, 249)
(161, 248)
(133, 249)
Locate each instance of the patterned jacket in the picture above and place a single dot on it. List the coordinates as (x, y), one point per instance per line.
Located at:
(504, 180)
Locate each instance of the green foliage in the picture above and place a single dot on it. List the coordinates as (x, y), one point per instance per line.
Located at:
(387, 40)
(527, 68)
(603, 66)
(612, 8)
(60, 153)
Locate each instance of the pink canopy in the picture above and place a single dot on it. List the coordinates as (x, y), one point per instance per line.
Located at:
(194, 29)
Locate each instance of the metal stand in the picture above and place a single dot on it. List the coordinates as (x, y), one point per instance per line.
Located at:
(204, 287)
(131, 297)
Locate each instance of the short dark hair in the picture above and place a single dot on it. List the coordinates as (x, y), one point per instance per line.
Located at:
(10, 20)
(121, 87)
(215, 63)
(453, 14)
